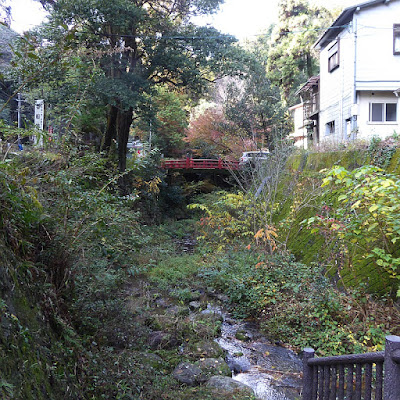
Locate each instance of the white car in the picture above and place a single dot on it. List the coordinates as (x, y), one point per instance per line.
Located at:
(254, 156)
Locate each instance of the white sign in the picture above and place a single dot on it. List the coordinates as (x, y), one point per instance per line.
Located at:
(39, 114)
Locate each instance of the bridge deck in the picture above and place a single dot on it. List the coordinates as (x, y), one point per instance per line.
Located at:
(200, 163)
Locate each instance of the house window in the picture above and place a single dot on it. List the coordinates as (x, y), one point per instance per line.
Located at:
(333, 57)
(396, 39)
(330, 128)
(383, 112)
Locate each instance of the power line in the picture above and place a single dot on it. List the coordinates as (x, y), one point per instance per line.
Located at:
(222, 36)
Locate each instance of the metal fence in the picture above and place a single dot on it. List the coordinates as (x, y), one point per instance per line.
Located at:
(370, 376)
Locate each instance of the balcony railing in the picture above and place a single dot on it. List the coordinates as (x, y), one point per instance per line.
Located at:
(311, 106)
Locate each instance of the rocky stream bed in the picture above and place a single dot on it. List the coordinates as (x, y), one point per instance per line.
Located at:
(212, 348)
(270, 371)
(237, 359)
(273, 372)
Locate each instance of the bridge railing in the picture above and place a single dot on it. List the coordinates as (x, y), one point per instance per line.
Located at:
(353, 377)
(199, 163)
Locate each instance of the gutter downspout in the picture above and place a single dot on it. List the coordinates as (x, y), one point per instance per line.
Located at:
(354, 116)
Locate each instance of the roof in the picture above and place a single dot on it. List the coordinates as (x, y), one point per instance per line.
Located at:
(296, 106)
(313, 81)
(343, 20)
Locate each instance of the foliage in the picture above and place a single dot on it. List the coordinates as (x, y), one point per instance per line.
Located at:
(366, 223)
(127, 49)
(228, 218)
(381, 151)
(68, 243)
(295, 303)
(291, 59)
(211, 135)
(260, 181)
(165, 129)
(35, 280)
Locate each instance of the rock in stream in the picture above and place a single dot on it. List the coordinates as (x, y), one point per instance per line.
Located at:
(273, 372)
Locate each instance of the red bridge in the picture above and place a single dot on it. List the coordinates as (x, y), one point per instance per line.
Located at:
(200, 163)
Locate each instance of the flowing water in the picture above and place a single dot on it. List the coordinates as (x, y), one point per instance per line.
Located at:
(273, 372)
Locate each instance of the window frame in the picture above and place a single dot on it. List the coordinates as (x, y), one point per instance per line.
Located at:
(330, 128)
(384, 114)
(334, 55)
(396, 35)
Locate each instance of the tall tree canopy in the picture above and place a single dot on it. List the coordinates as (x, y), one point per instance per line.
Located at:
(138, 45)
(253, 103)
(291, 59)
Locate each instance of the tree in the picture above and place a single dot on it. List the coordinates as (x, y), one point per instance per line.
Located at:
(250, 102)
(254, 104)
(5, 13)
(291, 59)
(211, 135)
(164, 126)
(7, 36)
(141, 44)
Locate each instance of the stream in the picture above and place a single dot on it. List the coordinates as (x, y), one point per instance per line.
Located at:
(273, 372)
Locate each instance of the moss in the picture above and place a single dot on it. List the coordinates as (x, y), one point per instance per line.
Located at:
(308, 247)
(394, 165)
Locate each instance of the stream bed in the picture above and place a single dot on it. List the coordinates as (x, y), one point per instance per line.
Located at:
(273, 372)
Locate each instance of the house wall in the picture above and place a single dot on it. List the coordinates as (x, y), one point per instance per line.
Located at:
(367, 129)
(366, 65)
(337, 88)
(299, 134)
(377, 67)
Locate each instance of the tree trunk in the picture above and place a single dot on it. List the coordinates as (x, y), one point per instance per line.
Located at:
(124, 121)
(111, 130)
(309, 64)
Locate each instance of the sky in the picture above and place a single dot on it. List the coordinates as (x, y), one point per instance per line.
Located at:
(241, 18)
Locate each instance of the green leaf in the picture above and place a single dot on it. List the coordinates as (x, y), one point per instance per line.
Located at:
(373, 208)
(33, 56)
(374, 225)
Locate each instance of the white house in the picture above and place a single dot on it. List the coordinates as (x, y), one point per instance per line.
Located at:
(359, 81)
(299, 133)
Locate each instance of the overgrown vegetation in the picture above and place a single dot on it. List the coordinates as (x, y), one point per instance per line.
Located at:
(95, 290)
(87, 273)
(293, 302)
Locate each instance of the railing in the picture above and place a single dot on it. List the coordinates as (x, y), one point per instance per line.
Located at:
(196, 163)
(353, 377)
(311, 105)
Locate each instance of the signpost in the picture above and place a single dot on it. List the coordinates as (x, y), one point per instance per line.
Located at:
(39, 119)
